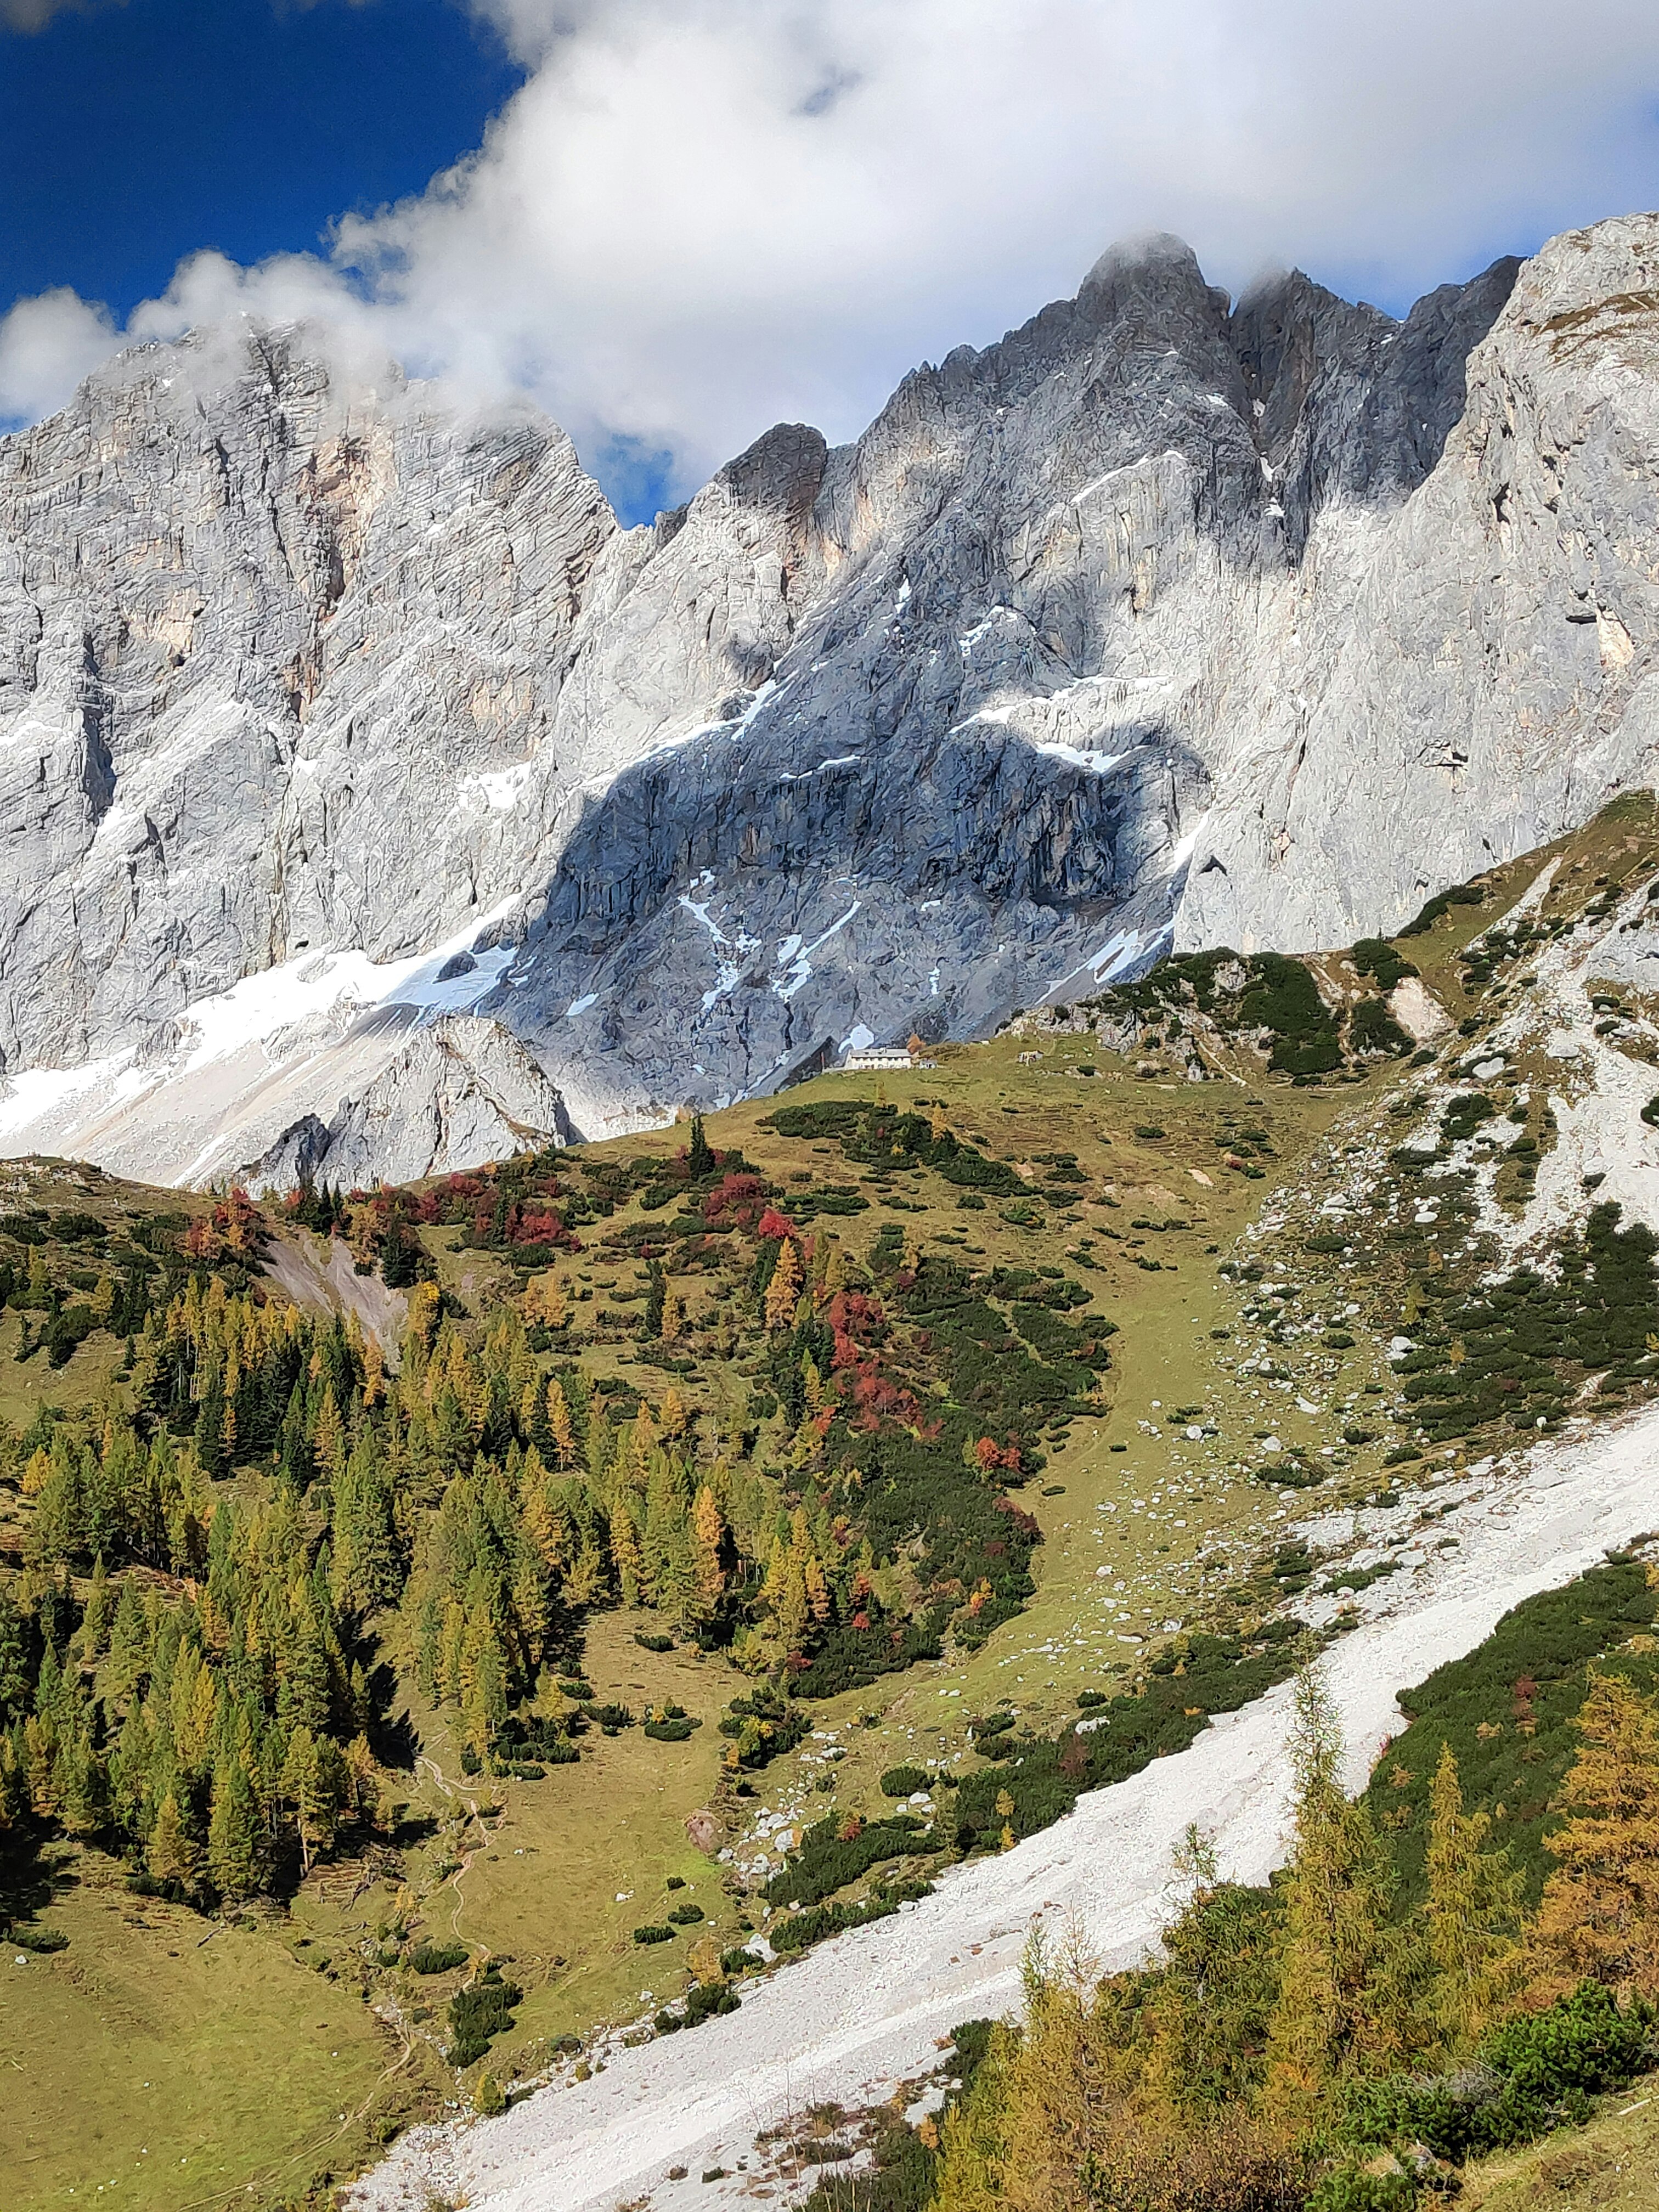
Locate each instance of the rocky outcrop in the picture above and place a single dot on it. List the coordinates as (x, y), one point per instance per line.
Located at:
(458, 1092)
(406, 1089)
(276, 635)
(1066, 585)
(1161, 621)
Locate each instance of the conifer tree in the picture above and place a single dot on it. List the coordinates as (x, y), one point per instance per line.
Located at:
(80, 1785)
(1333, 2020)
(128, 1647)
(233, 1853)
(973, 2151)
(14, 1685)
(308, 1782)
(172, 1854)
(699, 1158)
(1473, 1915)
(98, 1616)
(542, 1525)
(483, 1702)
(707, 1537)
(1054, 2123)
(1207, 2021)
(625, 1554)
(1599, 1916)
(560, 1426)
(782, 1292)
(818, 1599)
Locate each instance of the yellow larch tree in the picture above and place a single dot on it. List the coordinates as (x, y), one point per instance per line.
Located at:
(707, 1537)
(559, 1422)
(1474, 1917)
(783, 1292)
(1599, 1916)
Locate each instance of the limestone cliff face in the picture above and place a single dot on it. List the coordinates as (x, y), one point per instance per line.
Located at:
(1161, 620)
(273, 642)
(1489, 678)
(1057, 598)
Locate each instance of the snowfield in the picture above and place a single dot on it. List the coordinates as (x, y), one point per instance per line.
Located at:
(870, 2010)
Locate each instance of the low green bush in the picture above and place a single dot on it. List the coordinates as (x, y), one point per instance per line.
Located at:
(1375, 958)
(479, 2013)
(901, 1781)
(1536, 2073)
(430, 1957)
(830, 1857)
(40, 1941)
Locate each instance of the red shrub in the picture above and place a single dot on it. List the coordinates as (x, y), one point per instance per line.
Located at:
(741, 1198)
(850, 1313)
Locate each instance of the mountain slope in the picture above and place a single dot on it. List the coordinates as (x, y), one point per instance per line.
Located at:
(909, 1434)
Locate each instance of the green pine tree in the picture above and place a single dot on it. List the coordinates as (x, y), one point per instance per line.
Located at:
(96, 1621)
(700, 1160)
(309, 1783)
(233, 1852)
(172, 1854)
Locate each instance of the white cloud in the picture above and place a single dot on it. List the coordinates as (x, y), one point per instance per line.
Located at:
(700, 216)
(47, 345)
(32, 15)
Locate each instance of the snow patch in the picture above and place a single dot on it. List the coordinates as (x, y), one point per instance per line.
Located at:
(500, 788)
(1096, 763)
(730, 971)
(798, 957)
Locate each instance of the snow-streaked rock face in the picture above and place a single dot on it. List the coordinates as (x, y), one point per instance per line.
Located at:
(331, 1065)
(273, 642)
(1056, 598)
(1157, 622)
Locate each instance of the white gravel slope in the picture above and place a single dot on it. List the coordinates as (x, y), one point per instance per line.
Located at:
(865, 2011)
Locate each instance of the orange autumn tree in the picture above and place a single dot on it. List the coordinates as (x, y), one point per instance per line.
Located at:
(1599, 1916)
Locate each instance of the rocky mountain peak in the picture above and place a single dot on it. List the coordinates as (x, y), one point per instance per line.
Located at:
(1153, 281)
(323, 704)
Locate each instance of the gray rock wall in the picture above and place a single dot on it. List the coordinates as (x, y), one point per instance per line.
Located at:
(1161, 621)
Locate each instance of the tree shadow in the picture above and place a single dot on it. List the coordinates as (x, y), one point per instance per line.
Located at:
(32, 1874)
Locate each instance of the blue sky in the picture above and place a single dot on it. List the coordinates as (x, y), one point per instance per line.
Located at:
(131, 135)
(680, 221)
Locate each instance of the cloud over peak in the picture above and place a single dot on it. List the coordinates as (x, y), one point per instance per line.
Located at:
(698, 217)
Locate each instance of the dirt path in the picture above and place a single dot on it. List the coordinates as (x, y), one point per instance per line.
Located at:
(865, 2012)
(452, 1790)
